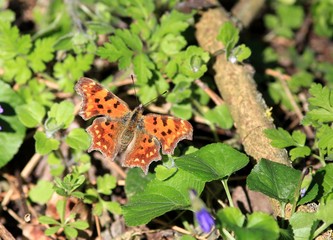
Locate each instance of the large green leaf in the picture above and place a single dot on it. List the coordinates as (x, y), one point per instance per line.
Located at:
(212, 162)
(275, 180)
(13, 131)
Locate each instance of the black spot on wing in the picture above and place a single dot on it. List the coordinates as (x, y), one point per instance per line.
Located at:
(108, 96)
(164, 121)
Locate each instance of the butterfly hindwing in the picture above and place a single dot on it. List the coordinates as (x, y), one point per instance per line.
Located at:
(168, 130)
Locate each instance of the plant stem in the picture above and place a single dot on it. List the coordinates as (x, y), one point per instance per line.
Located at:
(226, 188)
(227, 234)
(319, 230)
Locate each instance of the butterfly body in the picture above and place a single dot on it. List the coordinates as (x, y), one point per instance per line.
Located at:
(117, 129)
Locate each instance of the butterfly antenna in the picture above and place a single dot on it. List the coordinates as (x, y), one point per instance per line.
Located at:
(154, 99)
(136, 95)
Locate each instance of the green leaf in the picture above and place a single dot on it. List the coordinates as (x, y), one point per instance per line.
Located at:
(182, 110)
(70, 232)
(324, 212)
(116, 50)
(112, 207)
(47, 220)
(98, 208)
(171, 23)
(130, 39)
(274, 180)
(221, 116)
(156, 197)
(43, 52)
(30, 114)
(79, 224)
(321, 103)
(17, 69)
(62, 115)
(56, 165)
(136, 181)
(325, 139)
(143, 67)
(11, 43)
(78, 139)
(231, 218)
(299, 152)
(229, 36)
(280, 138)
(42, 192)
(106, 183)
(241, 53)
(163, 173)
(52, 230)
(159, 197)
(213, 162)
(303, 225)
(180, 92)
(324, 176)
(45, 145)
(13, 131)
(257, 225)
(71, 69)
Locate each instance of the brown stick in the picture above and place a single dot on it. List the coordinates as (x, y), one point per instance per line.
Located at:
(238, 89)
(5, 234)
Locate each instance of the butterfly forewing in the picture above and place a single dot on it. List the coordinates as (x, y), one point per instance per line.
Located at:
(97, 100)
(168, 130)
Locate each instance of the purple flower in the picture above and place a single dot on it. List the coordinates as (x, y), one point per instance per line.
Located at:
(205, 220)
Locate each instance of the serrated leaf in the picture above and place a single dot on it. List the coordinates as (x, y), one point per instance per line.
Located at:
(42, 192)
(17, 69)
(71, 69)
(213, 162)
(221, 116)
(11, 43)
(229, 36)
(303, 225)
(130, 39)
(143, 67)
(113, 207)
(171, 23)
(280, 138)
(78, 139)
(43, 52)
(45, 145)
(30, 114)
(274, 180)
(63, 113)
(106, 183)
(321, 103)
(299, 152)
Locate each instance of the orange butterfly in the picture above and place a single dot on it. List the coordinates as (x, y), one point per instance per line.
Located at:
(119, 130)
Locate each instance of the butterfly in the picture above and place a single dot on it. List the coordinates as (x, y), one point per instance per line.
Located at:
(118, 129)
